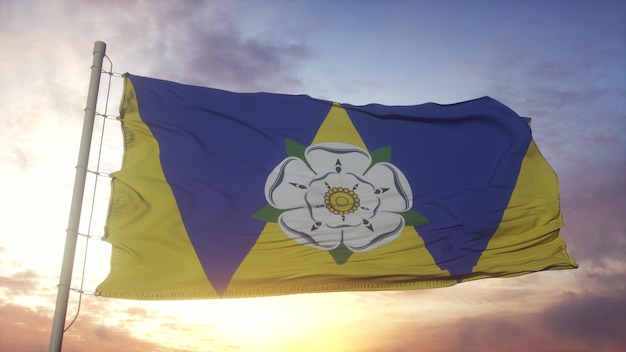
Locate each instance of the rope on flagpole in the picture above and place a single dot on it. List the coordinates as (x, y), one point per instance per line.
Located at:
(98, 173)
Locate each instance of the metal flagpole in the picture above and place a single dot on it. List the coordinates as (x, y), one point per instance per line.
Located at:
(58, 325)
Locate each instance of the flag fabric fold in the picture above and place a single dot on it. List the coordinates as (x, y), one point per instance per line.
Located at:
(225, 194)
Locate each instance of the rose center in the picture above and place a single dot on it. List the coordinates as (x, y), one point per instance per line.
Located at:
(341, 201)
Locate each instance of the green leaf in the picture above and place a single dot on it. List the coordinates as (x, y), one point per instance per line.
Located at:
(341, 254)
(378, 156)
(413, 218)
(381, 155)
(297, 150)
(294, 148)
(268, 214)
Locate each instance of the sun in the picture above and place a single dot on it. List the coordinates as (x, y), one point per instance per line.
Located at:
(306, 322)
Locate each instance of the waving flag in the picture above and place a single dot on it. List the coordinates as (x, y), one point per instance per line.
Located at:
(226, 194)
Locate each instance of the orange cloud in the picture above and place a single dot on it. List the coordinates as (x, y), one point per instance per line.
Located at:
(25, 329)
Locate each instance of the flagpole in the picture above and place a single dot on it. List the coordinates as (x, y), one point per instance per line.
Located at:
(65, 280)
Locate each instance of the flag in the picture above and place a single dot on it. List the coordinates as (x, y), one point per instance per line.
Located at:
(225, 194)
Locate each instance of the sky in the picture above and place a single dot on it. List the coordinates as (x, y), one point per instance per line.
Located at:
(562, 63)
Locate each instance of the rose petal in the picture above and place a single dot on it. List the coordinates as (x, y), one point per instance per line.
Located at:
(322, 183)
(396, 194)
(301, 228)
(341, 222)
(382, 229)
(287, 183)
(314, 199)
(337, 157)
(357, 183)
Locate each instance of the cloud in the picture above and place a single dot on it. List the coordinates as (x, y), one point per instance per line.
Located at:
(195, 42)
(592, 198)
(26, 329)
(21, 283)
(574, 323)
(208, 45)
(594, 321)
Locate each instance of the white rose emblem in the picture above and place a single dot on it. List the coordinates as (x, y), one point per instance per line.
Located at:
(337, 196)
